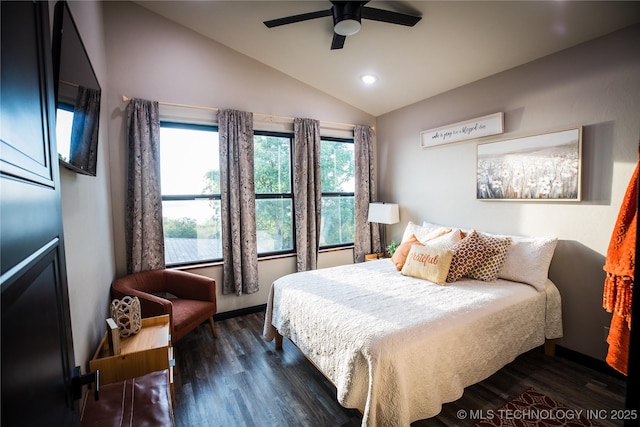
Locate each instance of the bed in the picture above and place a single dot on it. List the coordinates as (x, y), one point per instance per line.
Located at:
(397, 347)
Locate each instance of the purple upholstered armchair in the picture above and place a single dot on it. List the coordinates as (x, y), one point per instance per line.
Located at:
(188, 299)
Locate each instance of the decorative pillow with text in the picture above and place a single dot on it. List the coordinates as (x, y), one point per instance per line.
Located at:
(428, 263)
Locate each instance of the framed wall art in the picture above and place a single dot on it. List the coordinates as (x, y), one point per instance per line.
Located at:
(537, 167)
(493, 124)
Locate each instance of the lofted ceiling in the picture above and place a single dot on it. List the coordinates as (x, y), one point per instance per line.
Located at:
(455, 43)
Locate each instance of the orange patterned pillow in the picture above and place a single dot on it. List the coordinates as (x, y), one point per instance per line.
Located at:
(467, 255)
(400, 255)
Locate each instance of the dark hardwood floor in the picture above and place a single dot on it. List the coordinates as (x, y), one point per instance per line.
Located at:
(239, 379)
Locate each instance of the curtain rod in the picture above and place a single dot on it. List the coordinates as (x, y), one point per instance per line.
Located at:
(268, 116)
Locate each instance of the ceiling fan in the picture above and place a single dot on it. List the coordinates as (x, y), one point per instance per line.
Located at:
(346, 19)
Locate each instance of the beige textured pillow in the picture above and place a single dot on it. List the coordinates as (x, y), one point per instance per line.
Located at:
(528, 260)
(413, 229)
(429, 263)
(400, 255)
(468, 254)
(446, 241)
(488, 269)
(423, 234)
(434, 234)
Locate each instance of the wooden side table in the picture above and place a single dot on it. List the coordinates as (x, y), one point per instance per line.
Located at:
(147, 351)
(373, 257)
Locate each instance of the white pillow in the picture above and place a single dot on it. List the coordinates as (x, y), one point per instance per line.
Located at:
(446, 241)
(431, 225)
(528, 260)
(434, 225)
(423, 234)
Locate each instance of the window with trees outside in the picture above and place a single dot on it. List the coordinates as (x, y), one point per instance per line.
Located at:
(190, 182)
(274, 195)
(338, 185)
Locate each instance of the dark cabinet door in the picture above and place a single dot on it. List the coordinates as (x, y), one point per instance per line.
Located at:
(37, 347)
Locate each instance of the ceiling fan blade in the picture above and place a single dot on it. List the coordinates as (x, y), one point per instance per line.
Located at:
(390, 17)
(297, 18)
(338, 41)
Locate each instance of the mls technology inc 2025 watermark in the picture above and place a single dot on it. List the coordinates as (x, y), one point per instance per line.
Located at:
(556, 414)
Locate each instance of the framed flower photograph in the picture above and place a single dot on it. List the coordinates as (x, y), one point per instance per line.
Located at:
(537, 167)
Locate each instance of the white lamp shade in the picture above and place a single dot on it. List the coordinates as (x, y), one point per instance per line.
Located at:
(384, 213)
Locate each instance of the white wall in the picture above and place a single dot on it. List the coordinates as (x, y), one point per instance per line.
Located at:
(594, 85)
(153, 58)
(86, 209)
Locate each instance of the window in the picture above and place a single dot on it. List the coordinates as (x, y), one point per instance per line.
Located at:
(274, 197)
(190, 180)
(338, 185)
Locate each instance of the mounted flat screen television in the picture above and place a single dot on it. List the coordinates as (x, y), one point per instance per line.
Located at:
(77, 94)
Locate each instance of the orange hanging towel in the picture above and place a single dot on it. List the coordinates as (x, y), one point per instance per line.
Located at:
(618, 285)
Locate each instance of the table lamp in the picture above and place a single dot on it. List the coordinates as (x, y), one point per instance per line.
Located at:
(384, 213)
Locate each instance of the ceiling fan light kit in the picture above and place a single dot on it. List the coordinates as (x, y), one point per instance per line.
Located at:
(346, 19)
(347, 27)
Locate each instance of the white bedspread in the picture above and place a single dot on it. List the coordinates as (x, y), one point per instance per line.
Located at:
(397, 347)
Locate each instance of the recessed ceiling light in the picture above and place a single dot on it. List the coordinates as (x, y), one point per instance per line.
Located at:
(368, 79)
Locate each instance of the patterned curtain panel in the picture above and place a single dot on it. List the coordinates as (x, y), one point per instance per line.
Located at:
(367, 236)
(145, 239)
(307, 191)
(238, 206)
(84, 130)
